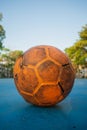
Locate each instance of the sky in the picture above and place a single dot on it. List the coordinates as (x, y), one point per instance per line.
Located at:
(42, 22)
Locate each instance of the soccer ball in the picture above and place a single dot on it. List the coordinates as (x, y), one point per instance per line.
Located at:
(44, 75)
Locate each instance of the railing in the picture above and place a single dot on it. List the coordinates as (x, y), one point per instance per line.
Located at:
(5, 72)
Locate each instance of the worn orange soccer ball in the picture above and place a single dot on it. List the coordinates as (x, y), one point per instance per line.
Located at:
(44, 75)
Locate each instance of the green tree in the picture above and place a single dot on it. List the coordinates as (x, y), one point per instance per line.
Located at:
(8, 58)
(78, 52)
(13, 55)
(2, 33)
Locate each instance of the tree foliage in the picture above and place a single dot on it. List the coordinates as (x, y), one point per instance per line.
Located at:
(7, 61)
(78, 52)
(9, 57)
(2, 33)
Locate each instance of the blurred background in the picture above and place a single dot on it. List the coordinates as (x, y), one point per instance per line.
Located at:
(61, 23)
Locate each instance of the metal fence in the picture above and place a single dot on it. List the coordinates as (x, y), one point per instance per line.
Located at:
(5, 72)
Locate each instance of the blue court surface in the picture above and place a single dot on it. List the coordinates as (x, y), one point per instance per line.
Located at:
(17, 114)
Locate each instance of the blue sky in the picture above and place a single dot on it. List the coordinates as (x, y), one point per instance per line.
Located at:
(36, 22)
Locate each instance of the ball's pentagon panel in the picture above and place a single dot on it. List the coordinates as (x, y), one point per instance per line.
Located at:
(48, 71)
(44, 75)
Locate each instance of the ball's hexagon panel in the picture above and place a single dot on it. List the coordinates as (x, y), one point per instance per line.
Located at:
(58, 55)
(48, 95)
(66, 79)
(27, 80)
(49, 71)
(33, 56)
